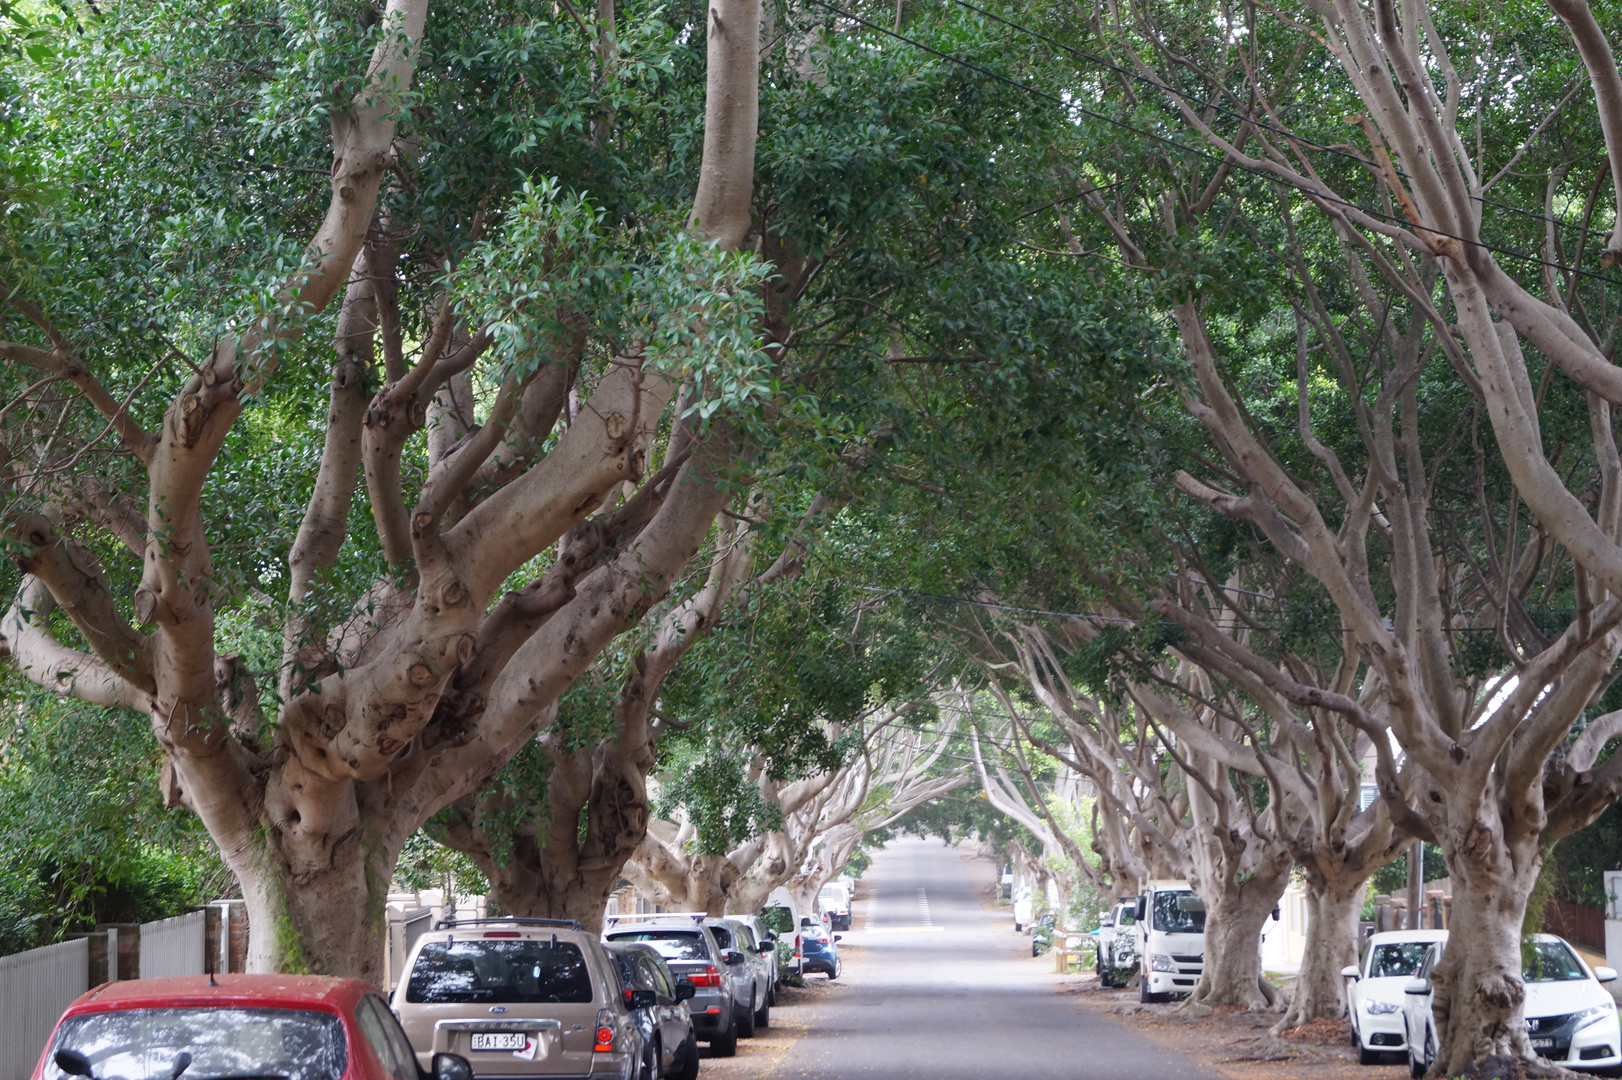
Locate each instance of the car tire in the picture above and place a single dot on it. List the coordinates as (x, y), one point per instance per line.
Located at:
(746, 1020)
(653, 1058)
(763, 1015)
(687, 1066)
(1144, 997)
(725, 1045)
(1365, 1056)
(1034, 950)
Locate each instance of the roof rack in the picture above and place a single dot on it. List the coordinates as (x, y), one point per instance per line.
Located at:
(567, 924)
(646, 916)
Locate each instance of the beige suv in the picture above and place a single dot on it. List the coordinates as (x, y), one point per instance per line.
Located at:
(520, 998)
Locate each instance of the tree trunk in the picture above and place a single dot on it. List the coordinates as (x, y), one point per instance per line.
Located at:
(323, 923)
(1479, 993)
(1320, 989)
(1233, 934)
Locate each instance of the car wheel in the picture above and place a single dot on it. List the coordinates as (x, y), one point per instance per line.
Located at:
(1034, 950)
(763, 1015)
(1144, 997)
(725, 1045)
(687, 1062)
(835, 971)
(652, 1060)
(1365, 1056)
(746, 1020)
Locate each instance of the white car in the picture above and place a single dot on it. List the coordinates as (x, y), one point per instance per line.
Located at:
(1571, 1018)
(1374, 997)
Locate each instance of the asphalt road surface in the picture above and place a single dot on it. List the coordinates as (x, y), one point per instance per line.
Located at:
(940, 987)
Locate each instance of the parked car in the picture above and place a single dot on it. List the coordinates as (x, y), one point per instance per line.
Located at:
(1169, 925)
(1117, 952)
(671, 1044)
(1375, 997)
(519, 998)
(691, 950)
(834, 900)
(821, 949)
(1570, 1016)
(766, 943)
(782, 917)
(752, 976)
(301, 1027)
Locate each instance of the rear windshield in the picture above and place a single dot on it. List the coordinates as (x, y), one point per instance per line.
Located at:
(144, 1044)
(672, 944)
(499, 972)
(1179, 913)
(1550, 961)
(1397, 959)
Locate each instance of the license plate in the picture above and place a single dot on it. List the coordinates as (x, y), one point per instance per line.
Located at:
(499, 1040)
(1542, 1044)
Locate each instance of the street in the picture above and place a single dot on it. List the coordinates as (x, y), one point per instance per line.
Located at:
(936, 985)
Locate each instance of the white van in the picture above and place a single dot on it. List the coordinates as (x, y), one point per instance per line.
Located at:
(1170, 933)
(782, 917)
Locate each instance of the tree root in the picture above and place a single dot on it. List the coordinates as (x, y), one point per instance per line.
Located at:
(1499, 1067)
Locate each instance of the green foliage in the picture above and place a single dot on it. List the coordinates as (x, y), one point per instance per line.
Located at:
(83, 834)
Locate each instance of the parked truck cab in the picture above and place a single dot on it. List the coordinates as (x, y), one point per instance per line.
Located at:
(1170, 931)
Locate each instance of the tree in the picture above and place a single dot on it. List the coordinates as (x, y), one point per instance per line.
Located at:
(400, 687)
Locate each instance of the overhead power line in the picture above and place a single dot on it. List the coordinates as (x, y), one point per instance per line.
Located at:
(1073, 106)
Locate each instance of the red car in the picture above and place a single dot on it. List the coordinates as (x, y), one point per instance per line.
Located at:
(236, 1027)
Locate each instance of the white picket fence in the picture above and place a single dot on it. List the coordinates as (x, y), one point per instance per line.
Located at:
(35, 986)
(173, 946)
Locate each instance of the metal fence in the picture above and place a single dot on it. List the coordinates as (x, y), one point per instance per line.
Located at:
(35, 987)
(174, 946)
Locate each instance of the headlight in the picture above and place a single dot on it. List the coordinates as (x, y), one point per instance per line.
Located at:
(1160, 963)
(1380, 1008)
(1590, 1017)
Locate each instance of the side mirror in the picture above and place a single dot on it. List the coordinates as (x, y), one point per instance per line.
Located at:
(685, 989)
(1605, 974)
(452, 1067)
(73, 1063)
(1139, 912)
(732, 956)
(767, 948)
(1417, 986)
(641, 999)
(1275, 913)
(1350, 972)
(841, 937)
(770, 936)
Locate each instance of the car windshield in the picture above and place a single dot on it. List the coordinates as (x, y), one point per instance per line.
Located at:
(1550, 961)
(814, 932)
(672, 944)
(499, 972)
(1397, 958)
(1179, 913)
(143, 1044)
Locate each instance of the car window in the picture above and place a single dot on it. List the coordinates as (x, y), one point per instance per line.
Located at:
(723, 936)
(779, 920)
(746, 938)
(1550, 961)
(499, 972)
(653, 975)
(1397, 958)
(142, 1044)
(672, 944)
(1179, 913)
(624, 966)
(382, 1030)
(1127, 915)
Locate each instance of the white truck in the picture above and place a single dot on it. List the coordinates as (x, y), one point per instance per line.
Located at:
(1170, 931)
(1118, 943)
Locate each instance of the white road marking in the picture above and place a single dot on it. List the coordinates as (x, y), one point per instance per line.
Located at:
(923, 909)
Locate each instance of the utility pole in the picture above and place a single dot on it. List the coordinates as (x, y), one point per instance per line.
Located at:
(1416, 882)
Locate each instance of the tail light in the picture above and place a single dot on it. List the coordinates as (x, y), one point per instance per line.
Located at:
(708, 977)
(796, 946)
(605, 1032)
